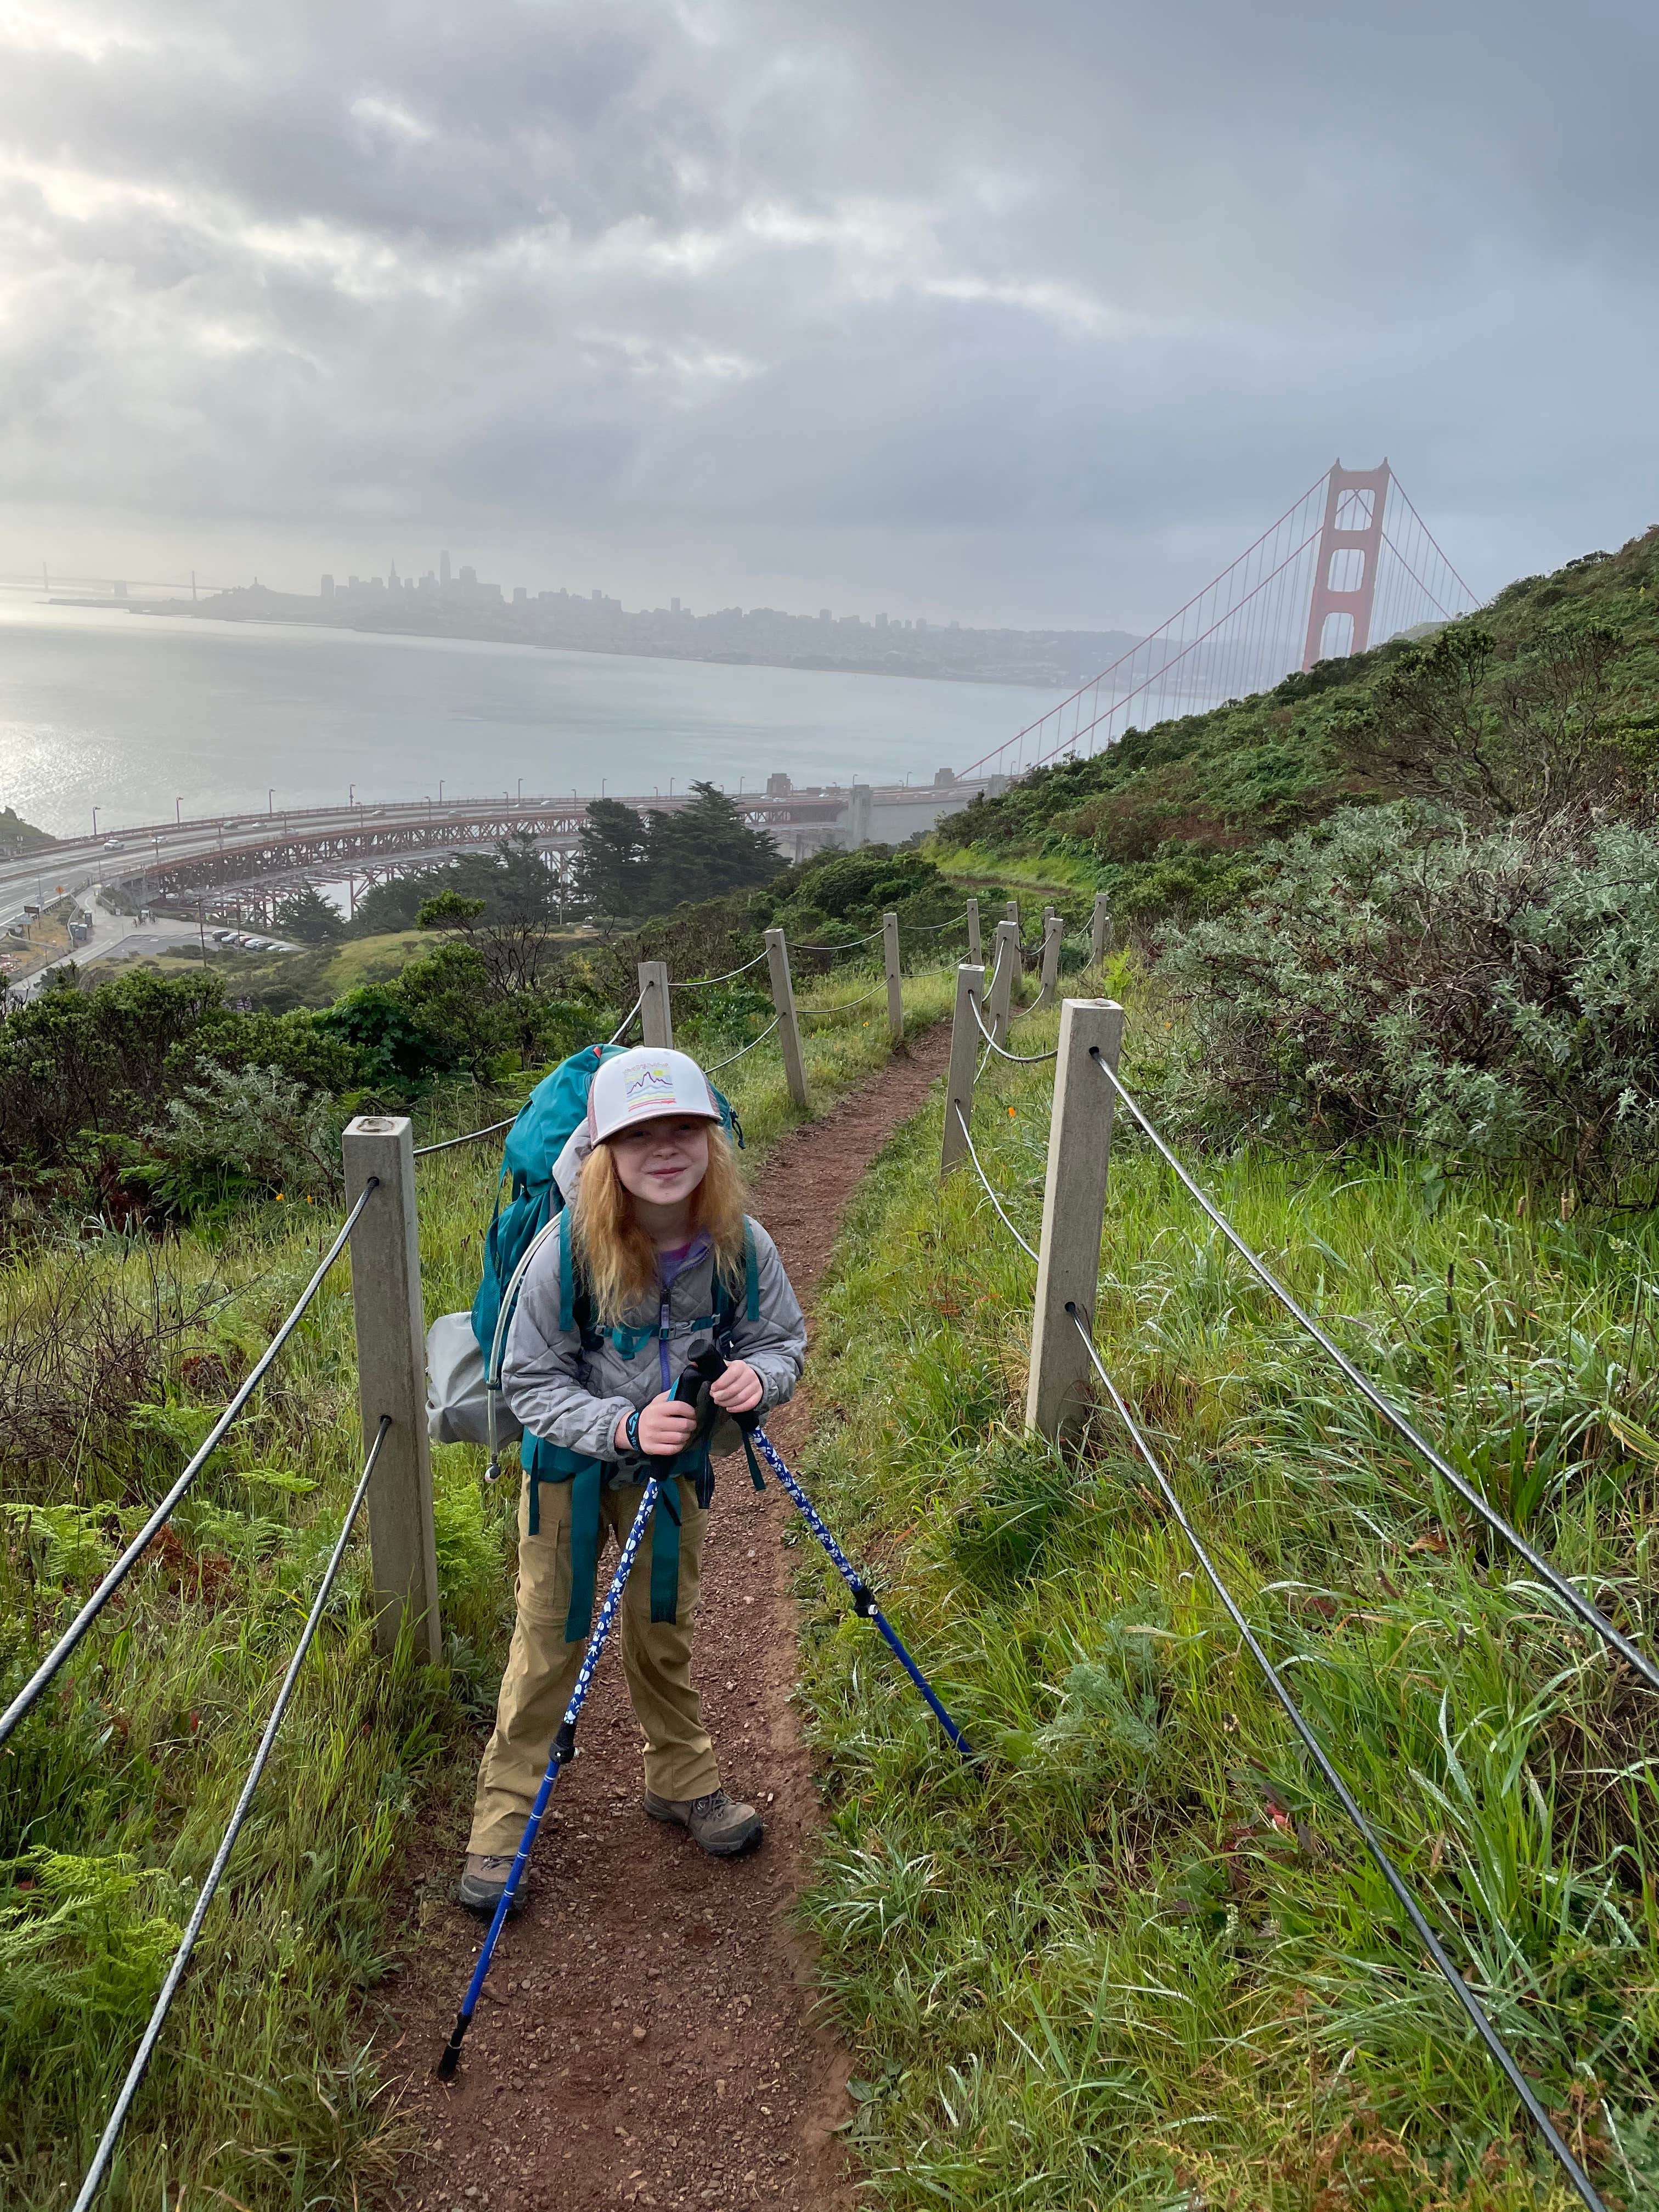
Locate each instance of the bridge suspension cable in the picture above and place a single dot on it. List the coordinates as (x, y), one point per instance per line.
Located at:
(1248, 627)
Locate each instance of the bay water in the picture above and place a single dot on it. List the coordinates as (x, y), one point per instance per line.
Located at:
(138, 715)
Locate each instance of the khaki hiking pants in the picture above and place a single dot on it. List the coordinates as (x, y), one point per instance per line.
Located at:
(542, 1668)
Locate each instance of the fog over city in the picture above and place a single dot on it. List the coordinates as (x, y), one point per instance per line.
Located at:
(965, 313)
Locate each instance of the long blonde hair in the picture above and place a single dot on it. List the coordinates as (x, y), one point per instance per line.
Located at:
(619, 1257)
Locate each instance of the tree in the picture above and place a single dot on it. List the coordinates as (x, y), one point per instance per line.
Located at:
(1535, 732)
(610, 852)
(449, 910)
(396, 902)
(521, 888)
(704, 850)
(452, 992)
(309, 918)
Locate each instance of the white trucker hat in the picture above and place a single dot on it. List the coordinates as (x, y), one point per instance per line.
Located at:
(643, 1085)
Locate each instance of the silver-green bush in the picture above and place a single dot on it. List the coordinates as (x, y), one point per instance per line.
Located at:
(1489, 997)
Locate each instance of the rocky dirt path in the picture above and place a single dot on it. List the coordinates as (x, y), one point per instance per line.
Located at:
(646, 2035)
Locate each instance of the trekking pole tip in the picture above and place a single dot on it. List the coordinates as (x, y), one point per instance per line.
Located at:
(451, 2051)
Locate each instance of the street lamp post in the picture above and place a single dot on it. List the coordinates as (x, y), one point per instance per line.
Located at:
(179, 813)
(95, 822)
(271, 799)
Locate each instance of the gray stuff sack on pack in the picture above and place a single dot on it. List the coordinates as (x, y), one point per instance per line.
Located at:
(457, 1401)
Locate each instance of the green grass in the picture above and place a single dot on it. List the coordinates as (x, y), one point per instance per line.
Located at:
(114, 1793)
(1064, 875)
(1139, 1960)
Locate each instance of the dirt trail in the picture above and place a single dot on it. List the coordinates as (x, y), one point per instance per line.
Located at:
(647, 2036)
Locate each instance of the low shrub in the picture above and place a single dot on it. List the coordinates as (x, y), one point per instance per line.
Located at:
(1487, 997)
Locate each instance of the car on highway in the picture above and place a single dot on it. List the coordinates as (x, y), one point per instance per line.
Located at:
(114, 845)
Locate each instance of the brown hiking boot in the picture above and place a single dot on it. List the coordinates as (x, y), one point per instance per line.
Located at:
(482, 1880)
(721, 1825)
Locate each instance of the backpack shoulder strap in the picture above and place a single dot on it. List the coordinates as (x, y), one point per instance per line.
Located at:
(567, 1275)
(576, 1293)
(728, 1299)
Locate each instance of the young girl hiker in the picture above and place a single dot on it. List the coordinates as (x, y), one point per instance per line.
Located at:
(652, 1262)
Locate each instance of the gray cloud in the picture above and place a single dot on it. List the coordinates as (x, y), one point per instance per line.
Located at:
(1036, 311)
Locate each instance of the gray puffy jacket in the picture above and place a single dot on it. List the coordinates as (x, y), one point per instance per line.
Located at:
(572, 1394)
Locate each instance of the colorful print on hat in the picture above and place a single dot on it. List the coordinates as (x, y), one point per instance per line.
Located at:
(643, 1085)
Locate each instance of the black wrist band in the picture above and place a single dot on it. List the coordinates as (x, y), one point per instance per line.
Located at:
(632, 1430)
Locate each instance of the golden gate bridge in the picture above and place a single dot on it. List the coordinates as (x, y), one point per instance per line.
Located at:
(1349, 563)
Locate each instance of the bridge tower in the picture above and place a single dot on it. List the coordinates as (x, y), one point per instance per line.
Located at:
(1345, 569)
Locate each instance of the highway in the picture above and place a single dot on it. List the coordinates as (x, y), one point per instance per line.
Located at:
(77, 865)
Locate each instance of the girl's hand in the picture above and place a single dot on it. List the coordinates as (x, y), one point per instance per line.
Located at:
(665, 1427)
(739, 1390)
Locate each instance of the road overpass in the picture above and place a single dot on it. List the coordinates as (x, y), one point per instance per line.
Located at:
(239, 867)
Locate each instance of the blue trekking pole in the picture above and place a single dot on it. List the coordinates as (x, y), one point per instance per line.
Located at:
(564, 1746)
(864, 1603)
(710, 1364)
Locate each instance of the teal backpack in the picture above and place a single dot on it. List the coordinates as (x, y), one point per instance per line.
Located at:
(545, 1123)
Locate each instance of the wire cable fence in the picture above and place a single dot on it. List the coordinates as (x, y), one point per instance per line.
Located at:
(65, 1648)
(708, 982)
(696, 983)
(850, 945)
(732, 1058)
(1496, 2048)
(935, 928)
(847, 1006)
(472, 1137)
(494, 1129)
(1573, 1599)
(106, 2151)
(967, 1137)
(1020, 1059)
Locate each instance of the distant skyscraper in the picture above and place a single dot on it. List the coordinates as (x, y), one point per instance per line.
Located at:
(392, 583)
(443, 570)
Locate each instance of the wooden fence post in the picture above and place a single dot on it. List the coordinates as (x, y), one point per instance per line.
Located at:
(391, 1322)
(1006, 963)
(1011, 912)
(1073, 1214)
(974, 955)
(965, 1047)
(1053, 930)
(783, 998)
(656, 1017)
(1100, 930)
(890, 955)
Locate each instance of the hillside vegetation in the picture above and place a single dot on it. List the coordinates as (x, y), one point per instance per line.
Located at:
(175, 1091)
(1172, 820)
(117, 1352)
(1391, 978)
(1138, 1959)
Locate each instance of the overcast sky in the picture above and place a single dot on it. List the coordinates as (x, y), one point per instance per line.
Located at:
(1029, 314)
